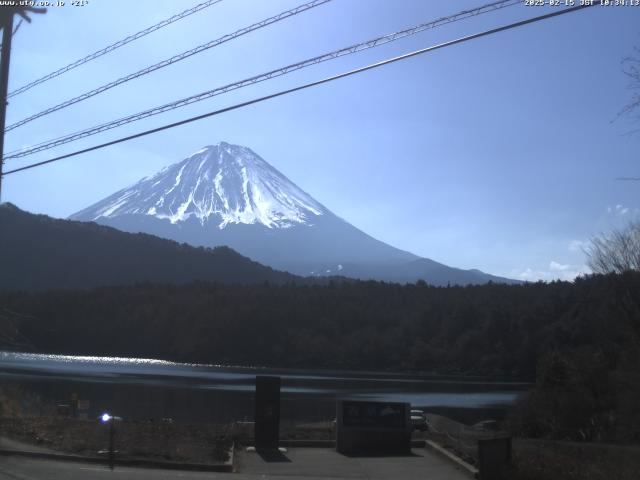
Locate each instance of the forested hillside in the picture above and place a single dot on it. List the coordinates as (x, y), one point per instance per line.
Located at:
(40, 252)
(491, 329)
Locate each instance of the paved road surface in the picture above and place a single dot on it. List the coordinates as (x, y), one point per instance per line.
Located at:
(327, 463)
(297, 463)
(20, 468)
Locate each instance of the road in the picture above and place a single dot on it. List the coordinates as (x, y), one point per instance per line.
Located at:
(20, 468)
(298, 463)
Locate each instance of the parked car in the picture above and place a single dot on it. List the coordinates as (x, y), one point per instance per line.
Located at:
(487, 425)
(419, 420)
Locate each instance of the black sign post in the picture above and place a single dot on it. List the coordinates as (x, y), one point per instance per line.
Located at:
(267, 413)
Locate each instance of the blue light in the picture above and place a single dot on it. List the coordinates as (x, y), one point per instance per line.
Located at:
(106, 417)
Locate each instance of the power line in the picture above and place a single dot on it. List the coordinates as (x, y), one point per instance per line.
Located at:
(6, 22)
(13, 34)
(172, 60)
(17, 27)
(23, 11)
(260, 78)
(307, 85)
(114, 46)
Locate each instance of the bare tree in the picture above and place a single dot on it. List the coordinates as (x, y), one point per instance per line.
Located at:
(619, 251)
(631, 68)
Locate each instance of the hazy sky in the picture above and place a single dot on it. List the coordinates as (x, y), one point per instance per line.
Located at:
(499, 154)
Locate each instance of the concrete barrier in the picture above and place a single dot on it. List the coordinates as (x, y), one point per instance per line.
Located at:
(494, 454)
(373, 427)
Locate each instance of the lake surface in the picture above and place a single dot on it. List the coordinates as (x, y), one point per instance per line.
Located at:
(144, 389)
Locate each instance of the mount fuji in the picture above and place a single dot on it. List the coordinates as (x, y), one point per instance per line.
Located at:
(228, 195)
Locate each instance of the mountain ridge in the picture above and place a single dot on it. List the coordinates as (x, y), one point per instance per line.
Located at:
(40, 252)
(226, 194)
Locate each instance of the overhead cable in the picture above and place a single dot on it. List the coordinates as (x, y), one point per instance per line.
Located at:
(113, 46)
(260, 78)
(169, 61)
(307, 85)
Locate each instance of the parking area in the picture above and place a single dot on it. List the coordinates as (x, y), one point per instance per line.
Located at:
(327, 463)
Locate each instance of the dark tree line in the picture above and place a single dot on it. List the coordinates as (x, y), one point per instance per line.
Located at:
(490, 329)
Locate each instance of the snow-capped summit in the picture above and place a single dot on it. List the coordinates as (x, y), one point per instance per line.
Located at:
(223, 183)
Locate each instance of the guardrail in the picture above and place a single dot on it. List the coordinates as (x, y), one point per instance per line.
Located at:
(486, 451)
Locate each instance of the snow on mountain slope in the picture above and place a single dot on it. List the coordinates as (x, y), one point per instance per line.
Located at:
(225, 183)
(227, 195)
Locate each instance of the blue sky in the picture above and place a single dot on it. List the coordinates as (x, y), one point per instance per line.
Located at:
(499, 154)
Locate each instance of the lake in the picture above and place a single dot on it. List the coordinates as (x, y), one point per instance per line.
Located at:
(142, 389)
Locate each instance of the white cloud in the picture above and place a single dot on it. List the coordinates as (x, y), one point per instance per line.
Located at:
(618, 210)
(577, 245)
(528, 275)
(555, 271)
(558, 267)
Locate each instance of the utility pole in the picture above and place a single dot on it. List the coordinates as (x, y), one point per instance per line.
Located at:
(6, 23)
(7, 33)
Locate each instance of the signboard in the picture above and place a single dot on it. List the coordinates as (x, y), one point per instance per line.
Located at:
(267, 412)
(83, 404)
(373, 427)
(373, 414)
(63, 410)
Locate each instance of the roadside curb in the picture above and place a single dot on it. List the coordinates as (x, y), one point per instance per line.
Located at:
(460, 464)
(230, 461)
(223, 467)
(307, 443)
(415, 443)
